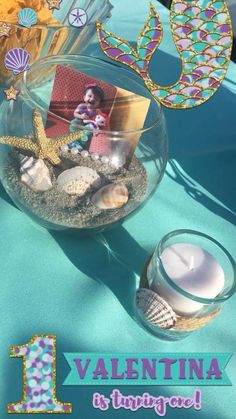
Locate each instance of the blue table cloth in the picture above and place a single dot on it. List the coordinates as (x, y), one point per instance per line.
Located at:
(82, 289)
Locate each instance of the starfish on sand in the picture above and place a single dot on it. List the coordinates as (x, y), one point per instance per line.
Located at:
(40, 145)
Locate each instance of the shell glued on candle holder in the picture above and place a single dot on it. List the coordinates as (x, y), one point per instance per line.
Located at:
(159, 313)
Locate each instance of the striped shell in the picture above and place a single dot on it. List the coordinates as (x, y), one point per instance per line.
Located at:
(78, 180)
(111, 196)
(155, 309)
(27, 17)
(17, 60)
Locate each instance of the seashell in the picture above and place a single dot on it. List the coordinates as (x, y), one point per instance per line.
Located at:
(17, 60)
(78, 180)
(27, 17)
(111, 196)
(35, 174)
(155, 309)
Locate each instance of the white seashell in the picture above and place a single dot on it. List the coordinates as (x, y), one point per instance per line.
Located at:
(155, 309)
(78, 180)
(27, 17)
(35, 174)
(111, 196)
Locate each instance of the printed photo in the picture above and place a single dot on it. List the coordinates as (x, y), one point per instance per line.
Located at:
(100, 110)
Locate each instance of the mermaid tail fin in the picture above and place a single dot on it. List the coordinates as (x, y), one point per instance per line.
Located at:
(120, 50)
(202, 33)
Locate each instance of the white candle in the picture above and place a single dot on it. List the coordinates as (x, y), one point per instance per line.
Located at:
(194, 270)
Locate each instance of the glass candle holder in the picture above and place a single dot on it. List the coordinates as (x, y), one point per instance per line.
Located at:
(184, 285)
(65, 35)
(128, 158)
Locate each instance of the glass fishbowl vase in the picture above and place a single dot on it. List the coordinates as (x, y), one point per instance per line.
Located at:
(88, 144)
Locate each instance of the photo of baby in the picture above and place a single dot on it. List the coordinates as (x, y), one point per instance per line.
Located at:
(83, 103)
(89, 115)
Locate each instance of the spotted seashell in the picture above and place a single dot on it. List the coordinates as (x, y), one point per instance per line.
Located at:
(111, 196)
(17, 60)
(78, 180)
(27, 17)
(155, 309)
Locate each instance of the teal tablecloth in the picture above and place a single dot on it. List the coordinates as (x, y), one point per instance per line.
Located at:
(81, 289)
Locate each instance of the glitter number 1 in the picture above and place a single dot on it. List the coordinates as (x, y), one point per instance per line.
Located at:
(39, 377)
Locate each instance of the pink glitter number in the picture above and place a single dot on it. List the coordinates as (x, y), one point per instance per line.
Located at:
(39, 377)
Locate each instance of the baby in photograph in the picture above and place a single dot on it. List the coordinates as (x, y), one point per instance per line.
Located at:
(89, 115)
(93, 100)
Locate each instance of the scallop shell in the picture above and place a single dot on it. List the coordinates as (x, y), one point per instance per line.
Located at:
(111, 196)
(17, 60)
(27, 17)
(155, 309)
(78, 180)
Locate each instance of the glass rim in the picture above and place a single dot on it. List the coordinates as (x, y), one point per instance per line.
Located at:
(206, 301)
(41, 26)
(54, 59)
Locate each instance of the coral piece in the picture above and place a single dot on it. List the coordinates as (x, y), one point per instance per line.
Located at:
(9, 10)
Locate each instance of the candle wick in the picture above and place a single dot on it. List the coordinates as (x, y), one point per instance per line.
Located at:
(191, 265)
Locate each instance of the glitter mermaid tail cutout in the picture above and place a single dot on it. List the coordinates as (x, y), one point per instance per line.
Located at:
(202, 33)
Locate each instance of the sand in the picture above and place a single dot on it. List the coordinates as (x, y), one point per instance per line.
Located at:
(59, 208)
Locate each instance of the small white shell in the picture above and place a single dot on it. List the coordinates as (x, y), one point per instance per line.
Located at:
(35, 174)
(111, 196)
(78, 180)
(155, 309)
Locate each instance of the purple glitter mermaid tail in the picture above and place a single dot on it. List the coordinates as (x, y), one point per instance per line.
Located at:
(202, 34)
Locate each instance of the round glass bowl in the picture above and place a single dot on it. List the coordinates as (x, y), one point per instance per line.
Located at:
(116, 161)
(184, 285)
(71, 35)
